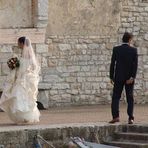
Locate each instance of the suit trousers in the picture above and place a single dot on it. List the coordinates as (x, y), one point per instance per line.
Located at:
(117, 91)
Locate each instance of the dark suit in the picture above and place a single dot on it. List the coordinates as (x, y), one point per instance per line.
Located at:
(123, 66)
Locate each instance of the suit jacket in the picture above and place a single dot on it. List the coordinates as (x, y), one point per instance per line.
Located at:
(124, 63)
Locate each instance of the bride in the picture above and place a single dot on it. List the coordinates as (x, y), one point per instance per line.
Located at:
(19, 96)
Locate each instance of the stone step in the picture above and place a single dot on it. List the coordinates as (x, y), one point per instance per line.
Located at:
(131, 136)
(128, 144)
(96, 145)
(135, 128)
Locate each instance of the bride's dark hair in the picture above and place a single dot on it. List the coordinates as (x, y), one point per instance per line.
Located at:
(22, 39)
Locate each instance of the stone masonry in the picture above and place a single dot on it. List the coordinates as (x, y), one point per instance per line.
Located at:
(75, 56)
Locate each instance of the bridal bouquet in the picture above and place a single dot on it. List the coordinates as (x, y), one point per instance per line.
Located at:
(13, 63)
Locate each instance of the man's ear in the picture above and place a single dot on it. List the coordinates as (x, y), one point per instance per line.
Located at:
(130, 41)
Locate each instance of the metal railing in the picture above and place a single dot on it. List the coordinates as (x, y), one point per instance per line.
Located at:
(37, 143)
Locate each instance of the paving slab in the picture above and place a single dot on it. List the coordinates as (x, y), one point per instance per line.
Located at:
(82, 115)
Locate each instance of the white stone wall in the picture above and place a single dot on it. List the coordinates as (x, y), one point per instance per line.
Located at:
(75, 63)
(83, 17)
(77, 69)
(16, 13)
(134, 18)
(77, 66)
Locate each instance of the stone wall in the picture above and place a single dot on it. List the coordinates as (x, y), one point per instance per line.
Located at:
(75, 56)
(134, 18)
(15, 14)
(77, 69)
(83, 17)
(77, 63)
(56, 135)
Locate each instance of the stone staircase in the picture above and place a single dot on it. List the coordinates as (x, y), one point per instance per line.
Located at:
(133, 136)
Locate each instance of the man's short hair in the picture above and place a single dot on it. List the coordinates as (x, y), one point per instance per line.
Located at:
(126, 37)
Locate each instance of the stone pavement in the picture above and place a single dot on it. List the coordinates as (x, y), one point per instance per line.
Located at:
(78, 115)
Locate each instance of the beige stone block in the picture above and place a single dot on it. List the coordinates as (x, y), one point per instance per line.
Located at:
(73, 68)
(52, 78)
(6, 48)
(136, 28)
(10, 36)
(81, 46)
(93, 46)
(0, 69)
(83, 20)
(66, 97)
(76, 85)
(60, 86)
(64, 47)
(5, 56)
(143, 51)
(2, 82)
(71, 79)
(146, 37)
(81, 79)
(85, 68)
(73, 91)
(5, 69)
(146, 8)
(15, 18)
(55, 98)
(41, 48)
(44, 86)
(44, 62)
(48, 41)
(53, 92)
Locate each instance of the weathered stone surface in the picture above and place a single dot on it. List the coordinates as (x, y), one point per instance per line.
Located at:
(81, 17)
(44, 86)
(146, 37)
(57, 136)
(18, 19)
(10, 36)
(41, 13)
(6, 48)
(2, 80)
(41, 48)
(60, 86)
(5, 69)
(76, 57)
(52, 79)
(64, 47)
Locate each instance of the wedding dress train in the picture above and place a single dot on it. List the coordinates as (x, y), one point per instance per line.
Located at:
(19, 95)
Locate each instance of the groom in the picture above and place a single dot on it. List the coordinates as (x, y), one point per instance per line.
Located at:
(123, 71)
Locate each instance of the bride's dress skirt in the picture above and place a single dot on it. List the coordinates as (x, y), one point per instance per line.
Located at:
(19, 97)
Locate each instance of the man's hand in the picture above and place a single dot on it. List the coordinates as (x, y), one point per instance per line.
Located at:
(111, 81)
(130, 81)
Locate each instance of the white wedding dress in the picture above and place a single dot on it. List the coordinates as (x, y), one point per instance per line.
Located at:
(19, 95)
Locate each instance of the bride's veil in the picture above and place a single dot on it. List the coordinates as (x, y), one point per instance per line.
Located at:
(28, 54)
(29, 69)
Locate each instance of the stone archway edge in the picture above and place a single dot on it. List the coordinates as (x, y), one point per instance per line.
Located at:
(10, 36)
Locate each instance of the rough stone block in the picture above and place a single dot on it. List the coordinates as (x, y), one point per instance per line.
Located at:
(5, 69)
(60, 86)
(52, 78)
(93, 46)
(44, 86)
(41, 48)
(146, 37)
(81, 46)
(6, 48)
(64, 47)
